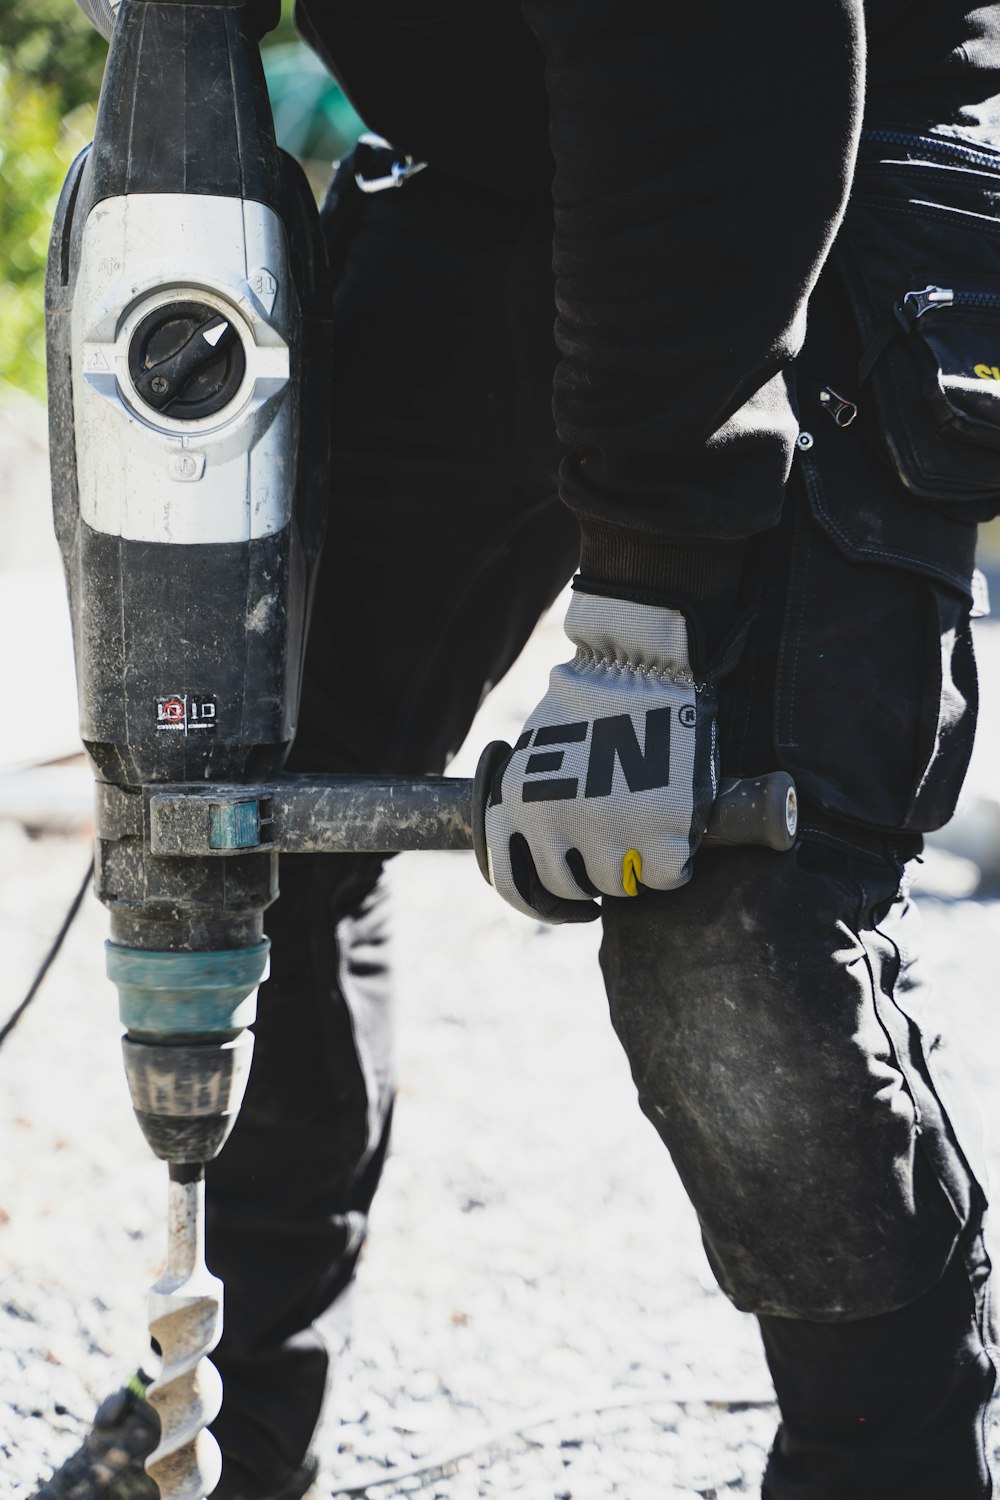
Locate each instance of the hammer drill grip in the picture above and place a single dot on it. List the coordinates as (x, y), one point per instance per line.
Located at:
(760, 810)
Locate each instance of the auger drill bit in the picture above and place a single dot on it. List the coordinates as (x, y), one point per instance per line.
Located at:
(185, 1319)
(186, 1093)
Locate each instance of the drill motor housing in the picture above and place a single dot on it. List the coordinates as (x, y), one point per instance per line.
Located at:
(187, 307)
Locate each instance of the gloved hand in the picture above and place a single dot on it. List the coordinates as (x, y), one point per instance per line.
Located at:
(609, 787)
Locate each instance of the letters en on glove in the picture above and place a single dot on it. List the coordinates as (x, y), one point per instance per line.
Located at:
(609, 787)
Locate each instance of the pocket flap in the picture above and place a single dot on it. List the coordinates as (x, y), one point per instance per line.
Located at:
(963, 340)
(868, 518)
(919, 257)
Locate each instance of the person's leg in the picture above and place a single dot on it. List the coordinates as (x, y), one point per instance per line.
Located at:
(446, 541)
(772, 1010)
(777, 1049)
(878, 1375)
(892, 1405)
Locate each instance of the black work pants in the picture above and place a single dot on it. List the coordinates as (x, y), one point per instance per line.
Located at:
(771, 1011)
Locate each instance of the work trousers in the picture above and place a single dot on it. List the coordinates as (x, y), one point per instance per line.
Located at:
(772, 1010)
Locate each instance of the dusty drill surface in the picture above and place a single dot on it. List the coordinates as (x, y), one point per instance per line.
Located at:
(186, 299)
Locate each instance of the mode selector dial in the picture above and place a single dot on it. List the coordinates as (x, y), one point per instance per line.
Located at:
(186, 360)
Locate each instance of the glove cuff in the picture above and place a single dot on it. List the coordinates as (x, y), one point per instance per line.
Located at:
(615, 633)
(701, 579)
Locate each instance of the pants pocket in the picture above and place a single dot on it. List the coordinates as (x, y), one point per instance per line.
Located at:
(919, 256)
(876, 693)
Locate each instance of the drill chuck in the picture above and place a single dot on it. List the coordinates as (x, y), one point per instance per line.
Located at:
(186, 1098)
(187, 1054)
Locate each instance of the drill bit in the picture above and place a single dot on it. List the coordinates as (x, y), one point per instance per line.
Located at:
(185, 1319)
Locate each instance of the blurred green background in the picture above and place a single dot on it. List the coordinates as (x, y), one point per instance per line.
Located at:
(51, 63)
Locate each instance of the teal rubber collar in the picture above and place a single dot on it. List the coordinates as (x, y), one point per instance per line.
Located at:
(190, 994)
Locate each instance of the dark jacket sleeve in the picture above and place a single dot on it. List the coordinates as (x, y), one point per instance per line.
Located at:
(703, 153)
(703, 156)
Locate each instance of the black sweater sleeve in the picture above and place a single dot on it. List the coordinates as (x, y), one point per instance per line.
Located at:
(703, 155)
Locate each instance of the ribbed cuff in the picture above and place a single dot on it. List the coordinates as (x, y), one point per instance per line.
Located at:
(701, 579)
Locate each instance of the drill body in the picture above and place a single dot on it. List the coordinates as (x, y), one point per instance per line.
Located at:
(186, 307)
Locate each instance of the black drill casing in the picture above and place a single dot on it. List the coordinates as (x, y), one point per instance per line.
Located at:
(189, 654)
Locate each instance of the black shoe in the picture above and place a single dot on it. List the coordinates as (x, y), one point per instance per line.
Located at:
(109, 1466)
(111, 1463)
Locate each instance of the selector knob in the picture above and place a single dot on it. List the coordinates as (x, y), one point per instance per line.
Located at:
(186, 360)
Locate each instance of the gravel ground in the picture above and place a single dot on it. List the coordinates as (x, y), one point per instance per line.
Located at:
(532, 1256)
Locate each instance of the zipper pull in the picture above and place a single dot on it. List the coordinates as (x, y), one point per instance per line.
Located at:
(915, 304)
(904, 315)
(838, 407)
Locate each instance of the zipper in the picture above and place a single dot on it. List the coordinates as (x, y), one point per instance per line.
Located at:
(908, 310)
(914, 304)
(976, 299)
(935, 146)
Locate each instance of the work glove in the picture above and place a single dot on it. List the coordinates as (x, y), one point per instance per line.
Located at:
(609, 787)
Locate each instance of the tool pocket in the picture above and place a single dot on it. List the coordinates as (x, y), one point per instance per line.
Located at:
(876, 694)
(919, 256)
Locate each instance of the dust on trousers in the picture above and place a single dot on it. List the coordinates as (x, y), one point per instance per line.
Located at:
(841, 1207)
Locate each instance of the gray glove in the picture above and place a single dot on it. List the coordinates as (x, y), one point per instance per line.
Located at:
(608, 789)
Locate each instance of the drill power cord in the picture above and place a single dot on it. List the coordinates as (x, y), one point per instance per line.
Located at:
(369, 1479)
(50, 957)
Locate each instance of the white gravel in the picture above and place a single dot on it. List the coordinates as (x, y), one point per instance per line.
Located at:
(531, 1248)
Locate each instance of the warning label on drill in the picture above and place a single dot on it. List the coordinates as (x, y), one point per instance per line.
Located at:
(186, 713)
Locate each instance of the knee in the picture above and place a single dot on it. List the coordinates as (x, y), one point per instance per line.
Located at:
(748, 1006)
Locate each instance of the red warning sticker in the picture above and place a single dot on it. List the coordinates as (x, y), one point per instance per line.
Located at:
(187, 713)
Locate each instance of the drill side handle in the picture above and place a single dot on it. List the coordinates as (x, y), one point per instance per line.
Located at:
(760, 810)
(343, 814)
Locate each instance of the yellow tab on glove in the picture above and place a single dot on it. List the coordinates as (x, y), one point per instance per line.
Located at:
(632, 872)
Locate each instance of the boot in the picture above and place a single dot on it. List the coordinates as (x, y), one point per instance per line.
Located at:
(110, 1463)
